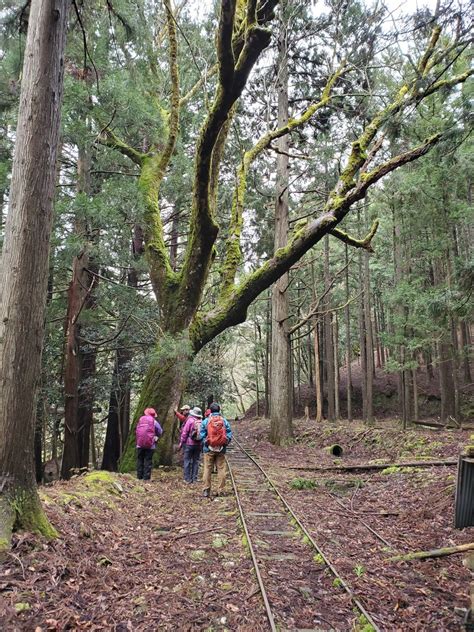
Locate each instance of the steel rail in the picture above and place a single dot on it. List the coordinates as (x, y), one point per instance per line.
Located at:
(312, 541)
(261, 585)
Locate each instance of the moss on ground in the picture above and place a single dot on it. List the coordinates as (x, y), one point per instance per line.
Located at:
(97, 484)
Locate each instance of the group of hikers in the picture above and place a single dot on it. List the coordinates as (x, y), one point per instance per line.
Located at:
(208, 434)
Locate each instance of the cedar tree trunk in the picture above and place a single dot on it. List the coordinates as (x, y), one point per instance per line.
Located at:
(24, 265)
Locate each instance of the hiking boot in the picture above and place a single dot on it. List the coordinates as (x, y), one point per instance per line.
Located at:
(206, 493)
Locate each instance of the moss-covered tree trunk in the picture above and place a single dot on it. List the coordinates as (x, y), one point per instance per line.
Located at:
(24, 264)
(164, 383)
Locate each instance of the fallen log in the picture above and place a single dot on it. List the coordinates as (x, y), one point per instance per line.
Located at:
(371, 466)
(424, 555)
(449, 426)
(429, 424)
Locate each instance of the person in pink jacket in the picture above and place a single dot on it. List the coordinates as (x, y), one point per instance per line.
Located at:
(191, 442)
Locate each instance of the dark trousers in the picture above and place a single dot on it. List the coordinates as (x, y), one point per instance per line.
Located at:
(192, 454)
(144, 463)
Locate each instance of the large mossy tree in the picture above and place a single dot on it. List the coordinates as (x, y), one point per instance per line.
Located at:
(187, 322)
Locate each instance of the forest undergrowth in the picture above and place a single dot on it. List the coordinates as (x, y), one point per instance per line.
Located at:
(156, 556)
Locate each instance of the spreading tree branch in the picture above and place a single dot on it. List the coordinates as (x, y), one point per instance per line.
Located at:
(407, 95)
(446, 84)
(232, 309)
(233, 252)
(351, 187)
(365, 243)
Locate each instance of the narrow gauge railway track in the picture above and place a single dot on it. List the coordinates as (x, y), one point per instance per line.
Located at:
(299, 591)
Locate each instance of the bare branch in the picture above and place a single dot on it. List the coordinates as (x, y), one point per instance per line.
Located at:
(197, 86)
(315, 306)
(423, 67)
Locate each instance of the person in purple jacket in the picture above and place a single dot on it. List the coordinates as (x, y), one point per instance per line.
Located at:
(191, 443)
(147, 432)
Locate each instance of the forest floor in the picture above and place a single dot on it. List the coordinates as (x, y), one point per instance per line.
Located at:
(136, 555)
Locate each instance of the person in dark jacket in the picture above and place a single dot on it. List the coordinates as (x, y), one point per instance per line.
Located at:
(191, 442)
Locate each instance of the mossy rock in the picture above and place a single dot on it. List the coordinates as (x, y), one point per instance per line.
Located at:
(97, 484)
(219, 541)
(303, 483)
(102, 480)
(197, 555)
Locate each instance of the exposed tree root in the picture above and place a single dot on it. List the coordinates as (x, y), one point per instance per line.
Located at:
(7, 520)
(22, 510)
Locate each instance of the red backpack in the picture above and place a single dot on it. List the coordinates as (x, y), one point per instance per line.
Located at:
(145, 432)
(216, 433)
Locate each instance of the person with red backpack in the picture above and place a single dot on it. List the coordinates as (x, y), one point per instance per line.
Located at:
(216, 434)
(147, 433)
(191, 441)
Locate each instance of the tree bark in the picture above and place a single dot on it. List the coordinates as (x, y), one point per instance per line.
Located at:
(328, 337)
(445, 358)
(24, 264)
(39, 439)
(375, 466)
(256, 331)
(347, 322)
(118, 419)
(403, 373)
(362, 341)
(415, 395)
(80, 362)
(466, 345)
(369, 344)
(75, 430)
(268, 354)
(335, 325)
(317, 375)
(281, 382)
